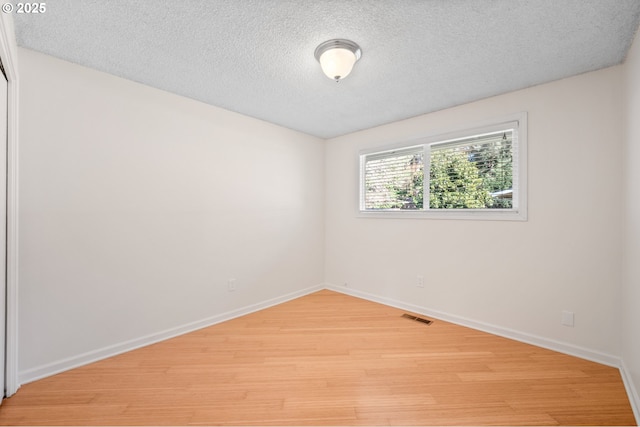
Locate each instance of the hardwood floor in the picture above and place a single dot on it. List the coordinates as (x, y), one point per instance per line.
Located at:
(329, 359)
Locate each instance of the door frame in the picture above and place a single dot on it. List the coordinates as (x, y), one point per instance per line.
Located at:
(9, 55)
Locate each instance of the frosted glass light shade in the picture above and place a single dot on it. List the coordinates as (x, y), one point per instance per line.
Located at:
(337, 63)
(337, 57)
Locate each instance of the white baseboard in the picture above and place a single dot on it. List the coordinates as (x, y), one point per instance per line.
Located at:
(632, 390)
(572, 350)
(56, 367)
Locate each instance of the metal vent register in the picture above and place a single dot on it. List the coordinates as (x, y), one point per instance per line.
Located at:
(418, 319)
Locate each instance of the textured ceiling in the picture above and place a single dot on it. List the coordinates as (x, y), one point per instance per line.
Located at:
(256, 56)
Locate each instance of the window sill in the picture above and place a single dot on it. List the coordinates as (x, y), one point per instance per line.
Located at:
(470, 214)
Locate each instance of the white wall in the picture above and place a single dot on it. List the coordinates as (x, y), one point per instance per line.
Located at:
(512, 275)
(137, 205)
(631, 277)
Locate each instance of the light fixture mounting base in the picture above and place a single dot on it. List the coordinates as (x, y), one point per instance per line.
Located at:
(338, 44)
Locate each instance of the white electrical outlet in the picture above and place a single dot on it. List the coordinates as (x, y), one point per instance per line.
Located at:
(420, 281)
(567, 318)
(231, 285)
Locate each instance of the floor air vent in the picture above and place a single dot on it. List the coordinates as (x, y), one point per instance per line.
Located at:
(418, 319)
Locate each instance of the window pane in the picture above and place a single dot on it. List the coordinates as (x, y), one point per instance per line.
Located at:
(394, 180)
(472, 173)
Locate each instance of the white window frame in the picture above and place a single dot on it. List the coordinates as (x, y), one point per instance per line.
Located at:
(519, 211)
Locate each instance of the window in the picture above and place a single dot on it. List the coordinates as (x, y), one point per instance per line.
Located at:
(477, 173)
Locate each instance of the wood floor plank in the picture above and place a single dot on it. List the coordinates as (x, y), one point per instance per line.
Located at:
(329, 359)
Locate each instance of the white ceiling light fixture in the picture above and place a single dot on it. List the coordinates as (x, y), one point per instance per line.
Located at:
(337, 57)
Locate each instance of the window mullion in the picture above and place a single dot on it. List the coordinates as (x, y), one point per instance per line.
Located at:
(426, 183)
